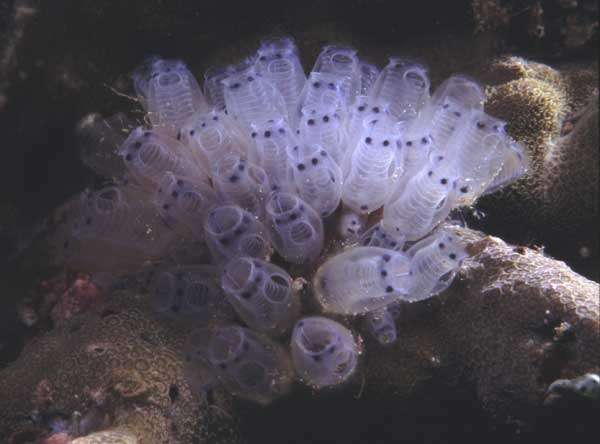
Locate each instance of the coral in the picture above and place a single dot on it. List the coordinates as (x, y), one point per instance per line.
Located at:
(514, 354)
(514, 322)
(541, 105)
(122, 362)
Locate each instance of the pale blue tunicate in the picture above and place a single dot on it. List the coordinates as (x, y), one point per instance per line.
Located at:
(317, 176)
(361, 279)
(231, 231)
(248, 364)
(324, 352)
(295, 228)
(261, 293)
(169, 92)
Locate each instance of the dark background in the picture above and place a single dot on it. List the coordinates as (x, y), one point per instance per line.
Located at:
(58, 59)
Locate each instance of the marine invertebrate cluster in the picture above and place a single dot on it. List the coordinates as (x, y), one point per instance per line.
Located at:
(248, 173)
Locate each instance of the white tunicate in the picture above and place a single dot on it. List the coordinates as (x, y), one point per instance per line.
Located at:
(477, 150)
(462, 90)
(242, 183)
(433, 263)
(515, 164)
(351, 225)
(169, 92)
(318, 178)
(231, 231)
(369, 179)
(272, 140)
(376, 236)
(261, 293)
(189, 291)
(148, 154)
(361, 279)
(278, 62)
(251, 99)
(211, 137)
(422, 203)
(248, 364)
(321, 91)
(325, 128)
(295, 227)
(213, 86)
(183, 204)
(412, 153)
(342, 63)
(401, 89)
(324, 352)
(381, 325)
(368, 76)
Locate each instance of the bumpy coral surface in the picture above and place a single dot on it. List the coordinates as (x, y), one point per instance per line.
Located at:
(120, 369)
(554, 114)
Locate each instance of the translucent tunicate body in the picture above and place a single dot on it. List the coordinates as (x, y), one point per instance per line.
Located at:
(318, 178)
(368, 76)
(376, 236)
(272, 140)
(351, 225)
(368, 182)
(433, 264)
(261, 293)
(168, 91)
(210, 137)
(113, 229)
(323, 127)
(183, 204)
(361, 279)
(251, 99)
(381, 325)
(213, 87)
(321, 91)
(415, 213)
(248, 364)
(342, 63)
(190, 291)
(148, 155)
(402, 88)
(295, 228)
(242, 183)
(478, 151)
(324, 352)
(231, 231)
(515, 164)
(279, 63)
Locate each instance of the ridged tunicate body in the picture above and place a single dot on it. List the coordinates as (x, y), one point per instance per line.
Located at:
(248, 364)
(296, 229)
(261, 294)
(169, 92)
(190, 291)
(361, 279)
(324, 352)
(231, 232)
(318, 178)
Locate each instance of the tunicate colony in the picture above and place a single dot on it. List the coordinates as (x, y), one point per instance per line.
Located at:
(221, 188)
